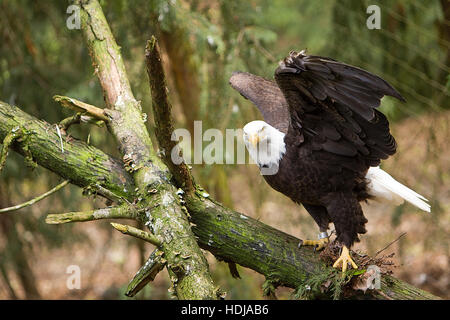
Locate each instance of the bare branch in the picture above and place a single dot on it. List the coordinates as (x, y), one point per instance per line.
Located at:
(120, 212)
(163, 119)
(82, 165)
(389, 244)
(155, 263)
(137, 233)
(81, 107)
(79, 118)
(36, 199)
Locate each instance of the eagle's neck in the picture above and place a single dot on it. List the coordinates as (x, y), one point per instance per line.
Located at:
(269, 151)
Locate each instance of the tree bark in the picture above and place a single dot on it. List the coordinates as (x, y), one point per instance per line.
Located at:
(98, 172)
(190, 275)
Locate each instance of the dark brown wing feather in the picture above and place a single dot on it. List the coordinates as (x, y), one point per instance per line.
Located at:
(333, 106)
(266, 95)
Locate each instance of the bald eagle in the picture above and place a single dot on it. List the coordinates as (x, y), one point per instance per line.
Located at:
(322, 142)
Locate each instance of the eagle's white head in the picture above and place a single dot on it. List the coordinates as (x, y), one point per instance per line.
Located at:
(264, 143)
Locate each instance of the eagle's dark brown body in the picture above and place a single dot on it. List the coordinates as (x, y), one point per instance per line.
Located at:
(329, 193)
(333, 134)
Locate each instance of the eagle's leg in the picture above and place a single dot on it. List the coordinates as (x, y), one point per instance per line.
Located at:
(345, 259)
(349, 220)
(320, 215)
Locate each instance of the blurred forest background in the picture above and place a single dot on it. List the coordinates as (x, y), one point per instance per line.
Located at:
(203, 41)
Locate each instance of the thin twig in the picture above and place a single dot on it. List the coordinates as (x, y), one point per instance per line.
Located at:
(79, 118)
(390, 244)
(67, 122)
(37, 199)
(111, 195)
(137, 233)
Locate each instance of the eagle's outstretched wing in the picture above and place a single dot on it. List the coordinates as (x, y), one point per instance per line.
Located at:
(332, 105)
(266, 95)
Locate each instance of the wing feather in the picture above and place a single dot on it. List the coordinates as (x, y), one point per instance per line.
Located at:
(266, 95)
(335, 105)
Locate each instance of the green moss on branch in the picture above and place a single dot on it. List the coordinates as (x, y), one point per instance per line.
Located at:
(81, 164)
(120, 212)
(190, 276)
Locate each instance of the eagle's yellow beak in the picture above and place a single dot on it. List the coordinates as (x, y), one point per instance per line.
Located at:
(254, 139)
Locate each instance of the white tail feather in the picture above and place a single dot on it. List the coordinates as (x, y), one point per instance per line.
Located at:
(382, 185)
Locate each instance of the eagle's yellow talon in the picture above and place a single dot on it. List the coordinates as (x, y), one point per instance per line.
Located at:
(319, 244)
(345, 259)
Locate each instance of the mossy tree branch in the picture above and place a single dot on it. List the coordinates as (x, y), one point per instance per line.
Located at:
(168, 222)
(95, 170)
(119, 212)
